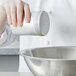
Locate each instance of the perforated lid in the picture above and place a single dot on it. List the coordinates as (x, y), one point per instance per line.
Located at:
(44, 23)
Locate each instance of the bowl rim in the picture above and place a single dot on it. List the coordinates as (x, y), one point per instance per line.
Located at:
(38, 58)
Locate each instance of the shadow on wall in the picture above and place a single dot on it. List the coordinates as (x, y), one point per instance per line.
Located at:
(9, 63)
(9, 60)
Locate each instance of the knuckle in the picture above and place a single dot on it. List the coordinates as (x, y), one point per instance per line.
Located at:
(26, 5)
(19, 3)
(20, 6)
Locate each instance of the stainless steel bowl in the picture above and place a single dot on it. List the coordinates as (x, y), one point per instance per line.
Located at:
(51, 61)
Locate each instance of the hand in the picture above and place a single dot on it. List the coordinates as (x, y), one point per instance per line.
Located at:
(16, 11)
(3, 19)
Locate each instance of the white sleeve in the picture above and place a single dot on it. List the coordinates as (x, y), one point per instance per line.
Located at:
(7, 37)
(37, 5)
(47, 5)
(34, 4)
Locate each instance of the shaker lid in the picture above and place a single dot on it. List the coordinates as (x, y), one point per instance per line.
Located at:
(44, 23)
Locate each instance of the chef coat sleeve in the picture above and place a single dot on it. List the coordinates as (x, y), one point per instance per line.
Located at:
(7, 37)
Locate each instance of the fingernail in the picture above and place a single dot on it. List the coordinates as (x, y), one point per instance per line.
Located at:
(14, 25)
(19, 24)
(10, 22)
(28, 20)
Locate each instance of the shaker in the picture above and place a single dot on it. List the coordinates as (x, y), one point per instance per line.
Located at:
(39, 25)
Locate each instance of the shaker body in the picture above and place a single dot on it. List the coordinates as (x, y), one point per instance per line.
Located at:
(39, 25)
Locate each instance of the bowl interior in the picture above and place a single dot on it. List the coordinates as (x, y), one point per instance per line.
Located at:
(52, 52)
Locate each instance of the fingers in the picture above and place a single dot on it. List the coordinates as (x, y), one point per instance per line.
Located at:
(27, 13)
(20, 8)
(16, 12)
(14, 15)
(8, 12)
